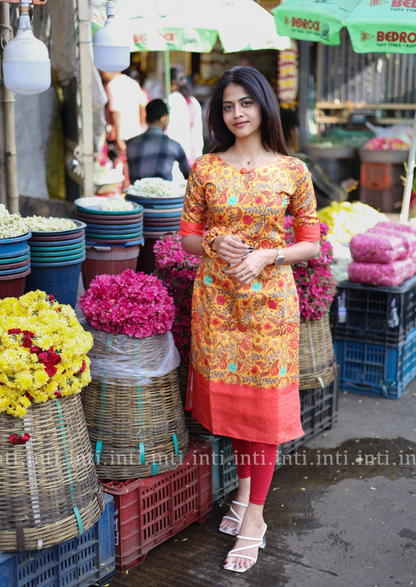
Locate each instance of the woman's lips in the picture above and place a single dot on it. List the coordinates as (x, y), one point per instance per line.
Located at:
(240, 124)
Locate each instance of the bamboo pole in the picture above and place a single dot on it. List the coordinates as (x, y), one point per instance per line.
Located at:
(85, 88)
(9, 129)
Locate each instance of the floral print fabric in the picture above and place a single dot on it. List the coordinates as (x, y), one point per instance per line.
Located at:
(245, 338)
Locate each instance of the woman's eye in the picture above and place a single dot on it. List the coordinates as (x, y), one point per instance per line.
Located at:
(227, 108)
(247, 103)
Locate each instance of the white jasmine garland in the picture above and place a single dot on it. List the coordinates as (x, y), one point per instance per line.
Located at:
(11, 225)
(40, 223)
(155, 187)
(115, 205)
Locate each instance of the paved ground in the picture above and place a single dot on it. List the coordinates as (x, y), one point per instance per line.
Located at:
(346, 524)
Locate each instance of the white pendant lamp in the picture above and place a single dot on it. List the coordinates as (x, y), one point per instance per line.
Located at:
(111, 45)
(26, 64)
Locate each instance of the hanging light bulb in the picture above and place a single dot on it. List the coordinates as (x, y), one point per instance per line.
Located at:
(111, 45)
(26, 63)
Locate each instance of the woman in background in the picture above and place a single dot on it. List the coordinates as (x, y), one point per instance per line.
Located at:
(185, 117)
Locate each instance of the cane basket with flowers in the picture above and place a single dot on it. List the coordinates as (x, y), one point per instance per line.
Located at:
(133, 406)
(177, 270)
(49, 491)
(316, 288)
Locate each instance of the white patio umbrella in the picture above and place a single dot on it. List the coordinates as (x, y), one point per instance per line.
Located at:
(193, 25)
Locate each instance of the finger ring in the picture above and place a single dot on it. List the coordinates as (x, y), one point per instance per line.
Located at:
(242, 273)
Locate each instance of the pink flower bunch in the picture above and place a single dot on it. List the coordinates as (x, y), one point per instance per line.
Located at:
(386, 144)
(177, 270)
(131, 303)
(314, 279)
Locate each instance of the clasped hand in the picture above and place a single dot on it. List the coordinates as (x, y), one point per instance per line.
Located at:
(244, 264)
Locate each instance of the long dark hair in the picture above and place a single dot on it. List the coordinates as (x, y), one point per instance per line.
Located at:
(259, 89)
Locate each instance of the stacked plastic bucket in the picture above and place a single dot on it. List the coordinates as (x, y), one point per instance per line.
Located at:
(161, 216)
(113, 238)
(56, 258)
(14, 265)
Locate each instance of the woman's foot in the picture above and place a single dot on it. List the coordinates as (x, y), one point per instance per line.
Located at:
(253, 526)
(231, 523)
(243, 494)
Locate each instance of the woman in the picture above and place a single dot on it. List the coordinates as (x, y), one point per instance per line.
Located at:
(244, 380)
(185, 117)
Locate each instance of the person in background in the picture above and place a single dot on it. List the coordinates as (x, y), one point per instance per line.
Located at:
(185, 117)
(152, 154)
(326, 190)
(125, 111)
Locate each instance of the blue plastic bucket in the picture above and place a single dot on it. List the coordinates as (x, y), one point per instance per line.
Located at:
(15, 259)
(111, 229)
(14, 245)
(59, 279)
(51, 252)
(56, 243)
(14, 271)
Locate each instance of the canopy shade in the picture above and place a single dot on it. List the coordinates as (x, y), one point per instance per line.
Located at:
(193, 25)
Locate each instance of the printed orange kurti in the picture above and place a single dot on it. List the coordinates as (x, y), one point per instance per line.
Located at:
(244, 379)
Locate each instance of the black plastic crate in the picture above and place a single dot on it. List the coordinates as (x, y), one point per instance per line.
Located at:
(384, 315)
(319, 411)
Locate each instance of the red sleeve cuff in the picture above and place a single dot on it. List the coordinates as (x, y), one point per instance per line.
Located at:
(187, 228)
(310, 233)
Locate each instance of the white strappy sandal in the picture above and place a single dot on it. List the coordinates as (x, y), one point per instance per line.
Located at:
(237, 519)
(261, 543)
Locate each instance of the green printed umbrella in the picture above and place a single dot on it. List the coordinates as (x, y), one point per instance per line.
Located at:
(313, 20)
(375, 26)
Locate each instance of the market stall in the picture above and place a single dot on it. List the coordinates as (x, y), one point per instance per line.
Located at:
(363, 69)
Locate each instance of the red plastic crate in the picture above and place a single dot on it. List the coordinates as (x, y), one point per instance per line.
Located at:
(380, 175)
(149, 511)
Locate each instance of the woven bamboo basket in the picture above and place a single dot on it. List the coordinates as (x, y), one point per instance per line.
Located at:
(49, 491)
(317, 362)
(136, 429)
(194, 427)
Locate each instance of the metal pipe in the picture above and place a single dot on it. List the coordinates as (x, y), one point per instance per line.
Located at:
(9, 131)
(409, 178)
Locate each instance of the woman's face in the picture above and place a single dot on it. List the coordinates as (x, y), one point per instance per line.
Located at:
(240, 112)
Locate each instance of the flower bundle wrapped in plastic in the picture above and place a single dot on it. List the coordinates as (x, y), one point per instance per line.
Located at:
(408, 239)
(42, 352)
(377, 247)
(314, 280)
(134, 304)
(177, 270)
(384, 255)
(381, 273)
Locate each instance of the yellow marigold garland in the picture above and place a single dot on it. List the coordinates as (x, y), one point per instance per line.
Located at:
(42, 352)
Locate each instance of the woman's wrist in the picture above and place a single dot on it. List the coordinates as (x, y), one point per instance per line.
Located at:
(271, 256)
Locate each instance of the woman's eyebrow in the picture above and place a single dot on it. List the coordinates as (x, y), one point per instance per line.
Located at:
(239, 100)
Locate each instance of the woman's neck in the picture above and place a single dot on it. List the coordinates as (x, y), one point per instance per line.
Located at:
(249, 147)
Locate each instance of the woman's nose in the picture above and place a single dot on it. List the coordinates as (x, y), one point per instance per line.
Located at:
(237, 111)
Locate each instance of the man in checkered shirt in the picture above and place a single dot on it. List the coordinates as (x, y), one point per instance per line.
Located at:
(152, 154)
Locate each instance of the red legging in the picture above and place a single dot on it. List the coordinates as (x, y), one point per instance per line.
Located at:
(256, 460)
